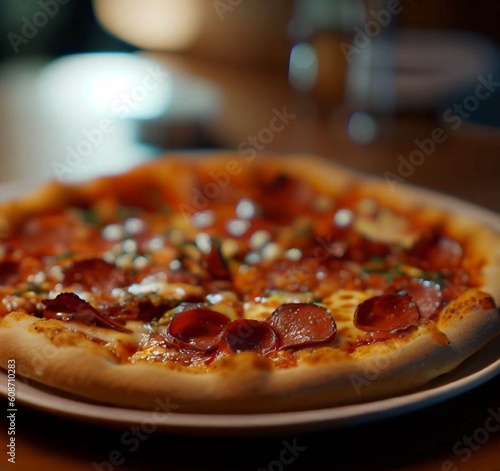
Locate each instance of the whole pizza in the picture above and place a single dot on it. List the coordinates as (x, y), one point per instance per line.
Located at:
(232, 284)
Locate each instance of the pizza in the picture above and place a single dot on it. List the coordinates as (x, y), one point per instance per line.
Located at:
(237, 285)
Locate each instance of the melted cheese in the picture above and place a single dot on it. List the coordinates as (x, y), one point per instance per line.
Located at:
(342, 305)
(386, 227)
(260, 309)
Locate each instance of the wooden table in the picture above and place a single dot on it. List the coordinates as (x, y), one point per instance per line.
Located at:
(466, 165)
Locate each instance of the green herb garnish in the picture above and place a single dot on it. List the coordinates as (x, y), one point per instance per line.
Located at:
(90, 216)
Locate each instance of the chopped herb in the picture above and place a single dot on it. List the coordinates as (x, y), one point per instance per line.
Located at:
(377, 260)
(28, 287)
(377, 266)
(436, 277)
(124, 212)
(393, 273)
(35, 288)
(90, 216)
(164, 209)
(305, 232)
(64, 255)
(303, 228)
(154, 193)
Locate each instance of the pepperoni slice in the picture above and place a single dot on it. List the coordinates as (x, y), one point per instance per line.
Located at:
(149, 310)
(79, 309)
(244, 335)
(437, 252)
(302, 324)
(360, 249)
(8, 272)
(189, 357)
(197, 329)
(282, 196)
(426, 294)
(216, 264)
(163, 351)
(94, 273)
(389, 312)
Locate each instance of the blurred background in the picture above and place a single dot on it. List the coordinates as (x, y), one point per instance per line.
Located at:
(404, 90)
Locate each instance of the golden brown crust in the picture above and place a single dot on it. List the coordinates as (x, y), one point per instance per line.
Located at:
(248, 382)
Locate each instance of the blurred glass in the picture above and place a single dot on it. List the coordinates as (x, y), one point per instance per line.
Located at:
(357, 54)
(344, 56)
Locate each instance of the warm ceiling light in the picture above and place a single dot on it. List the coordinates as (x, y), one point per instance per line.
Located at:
(152, 24)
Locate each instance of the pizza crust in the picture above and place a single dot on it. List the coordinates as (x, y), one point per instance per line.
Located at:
(247, 383)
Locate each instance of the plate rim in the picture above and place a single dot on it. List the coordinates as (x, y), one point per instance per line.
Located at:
(250, 424)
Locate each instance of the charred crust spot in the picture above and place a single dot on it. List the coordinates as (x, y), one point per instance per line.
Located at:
(488, 303)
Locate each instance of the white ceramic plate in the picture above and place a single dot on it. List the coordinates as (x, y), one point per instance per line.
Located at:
(475, 371)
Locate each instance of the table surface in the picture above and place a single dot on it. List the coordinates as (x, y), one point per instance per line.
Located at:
(467, 165)
(449, 435)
